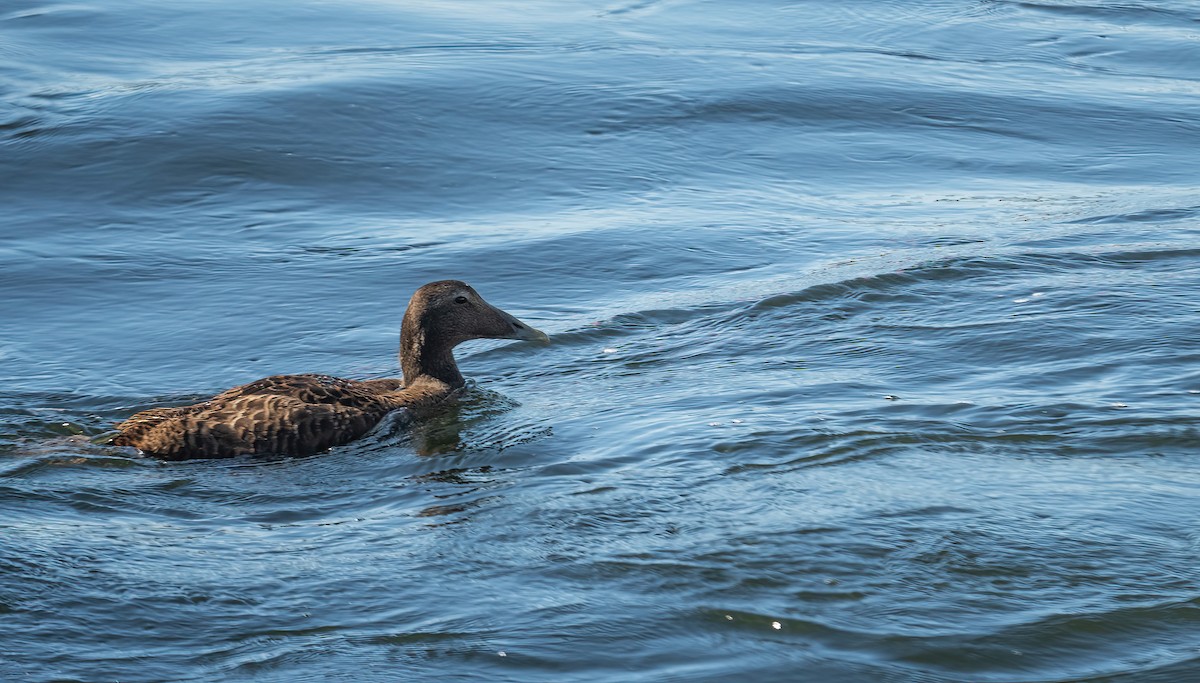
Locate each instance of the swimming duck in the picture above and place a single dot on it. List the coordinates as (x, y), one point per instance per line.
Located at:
(304, 414)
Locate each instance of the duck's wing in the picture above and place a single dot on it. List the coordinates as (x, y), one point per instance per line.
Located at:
(383, 385)
(315, 389)
(257, 423)
(289, 414)
(135, 428)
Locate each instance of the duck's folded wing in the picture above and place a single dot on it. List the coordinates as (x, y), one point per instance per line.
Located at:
(314, 389)
(256, 423)
(288, 414)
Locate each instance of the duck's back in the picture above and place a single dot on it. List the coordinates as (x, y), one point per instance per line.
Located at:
(291, 414)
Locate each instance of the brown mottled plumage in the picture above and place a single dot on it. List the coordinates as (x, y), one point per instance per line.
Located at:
(303, 414)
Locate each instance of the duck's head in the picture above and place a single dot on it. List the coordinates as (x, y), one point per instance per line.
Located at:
(444, 314)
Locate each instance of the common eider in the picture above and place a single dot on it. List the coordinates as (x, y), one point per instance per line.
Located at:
(305, 414)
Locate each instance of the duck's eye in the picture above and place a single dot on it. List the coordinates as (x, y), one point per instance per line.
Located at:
(460, 300)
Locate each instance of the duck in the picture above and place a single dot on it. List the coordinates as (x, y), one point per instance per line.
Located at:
(304, 414)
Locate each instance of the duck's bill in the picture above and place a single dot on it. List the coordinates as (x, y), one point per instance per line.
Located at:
(528, 333)
(520, 330)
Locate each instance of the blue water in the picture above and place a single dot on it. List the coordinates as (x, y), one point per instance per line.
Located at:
(875, 351)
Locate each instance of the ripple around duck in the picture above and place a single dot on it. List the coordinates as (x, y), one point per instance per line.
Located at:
(1002, 263)
(30, 467)
(1143, 216)
(1065, 642)
(911, 284)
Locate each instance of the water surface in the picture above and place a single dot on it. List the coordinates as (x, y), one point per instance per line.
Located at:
(875, 351)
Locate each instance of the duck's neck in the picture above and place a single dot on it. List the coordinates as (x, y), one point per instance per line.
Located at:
(422, 355)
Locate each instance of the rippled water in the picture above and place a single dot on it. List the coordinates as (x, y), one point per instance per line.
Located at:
(875, 339)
